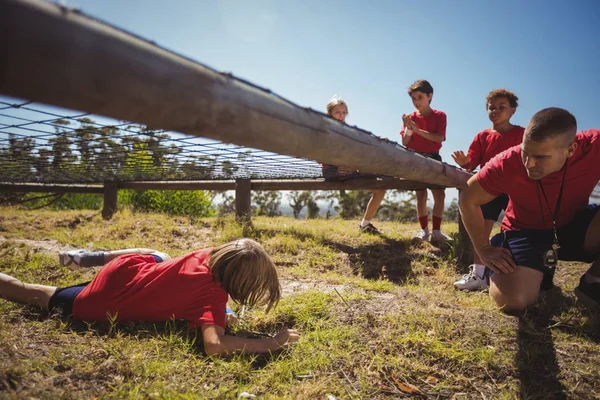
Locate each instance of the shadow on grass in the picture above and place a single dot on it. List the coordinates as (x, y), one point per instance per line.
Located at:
(537, 363)
(390, 259)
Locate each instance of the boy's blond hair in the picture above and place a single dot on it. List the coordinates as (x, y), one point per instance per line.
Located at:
(335, 101)
(246, 272)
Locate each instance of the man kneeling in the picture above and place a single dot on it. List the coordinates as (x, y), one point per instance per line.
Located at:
(146, 285)
(548, 179)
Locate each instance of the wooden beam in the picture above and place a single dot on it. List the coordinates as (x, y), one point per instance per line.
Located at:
(243, 201)
(49, 188)
(350, 184)
(61, 57)
(178, 185)
(279, 185)
(110, 199)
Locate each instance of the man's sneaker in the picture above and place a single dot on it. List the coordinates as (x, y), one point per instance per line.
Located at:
(471, 282)
(588, 293)
(437, 237)
(423, 235)
(370, 228)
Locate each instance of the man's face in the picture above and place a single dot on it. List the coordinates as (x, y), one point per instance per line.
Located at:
(541, 158)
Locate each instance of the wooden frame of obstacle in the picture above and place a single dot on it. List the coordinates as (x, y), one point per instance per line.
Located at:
(59, 56)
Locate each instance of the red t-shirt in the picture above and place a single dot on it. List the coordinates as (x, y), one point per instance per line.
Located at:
(506, 173)
(434, 122)
(488, 143)
(136, 288)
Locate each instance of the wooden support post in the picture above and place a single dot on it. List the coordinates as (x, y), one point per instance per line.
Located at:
(110, 199)
(466, 252)
(243, 200)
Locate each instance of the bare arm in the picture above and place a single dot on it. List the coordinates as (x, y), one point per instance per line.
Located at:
(462, 159)
(434, 137)
(469, 203)
(407, 129)
(406, 137)
(431, 136)
(216, 342)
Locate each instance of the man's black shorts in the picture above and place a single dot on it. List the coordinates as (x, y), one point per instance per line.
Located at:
(528, 246)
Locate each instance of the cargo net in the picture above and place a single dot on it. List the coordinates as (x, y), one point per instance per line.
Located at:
(42, 144)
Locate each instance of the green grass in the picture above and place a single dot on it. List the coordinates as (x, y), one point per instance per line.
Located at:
(395, 320)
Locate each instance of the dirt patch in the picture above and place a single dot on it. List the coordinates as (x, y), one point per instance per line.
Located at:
(377, 304)
(46, 246)
(291, 287)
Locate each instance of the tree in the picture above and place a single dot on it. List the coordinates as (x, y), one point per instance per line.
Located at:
(297, 202)
(229, 168)
(351, 204)
(306, 198)
(451, 213)
(313, 208)
(227, 205)
(398, 206)
(266, 203)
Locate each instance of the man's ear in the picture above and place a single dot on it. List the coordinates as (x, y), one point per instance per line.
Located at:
(571, 149)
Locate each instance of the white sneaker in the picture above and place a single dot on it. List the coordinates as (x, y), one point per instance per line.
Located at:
(423, 235)
(438, 237)
(70, 258)
(81, 258)
(471, 282)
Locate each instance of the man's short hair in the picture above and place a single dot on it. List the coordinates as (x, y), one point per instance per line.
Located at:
(551, 122)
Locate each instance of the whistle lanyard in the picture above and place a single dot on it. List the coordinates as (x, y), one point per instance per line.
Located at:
(540, 187)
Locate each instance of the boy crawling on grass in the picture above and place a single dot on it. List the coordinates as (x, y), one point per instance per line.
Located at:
(147, 285)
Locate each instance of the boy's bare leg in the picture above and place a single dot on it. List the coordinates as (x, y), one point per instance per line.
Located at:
(12, 289)
(374, 204)
(421, 203)
(439, 197)
(100, 258)
(111, 255)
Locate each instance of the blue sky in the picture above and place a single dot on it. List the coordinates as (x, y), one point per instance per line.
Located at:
(547, 52)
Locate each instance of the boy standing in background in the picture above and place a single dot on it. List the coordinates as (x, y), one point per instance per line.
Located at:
(423, 132)
(501, 105)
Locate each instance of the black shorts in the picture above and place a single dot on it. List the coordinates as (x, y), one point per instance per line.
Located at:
(528, 246)
(62, 300)
(491, 211)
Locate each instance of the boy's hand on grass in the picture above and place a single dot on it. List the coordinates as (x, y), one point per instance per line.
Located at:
(232, 319)
(460, 158)
(287, 336)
